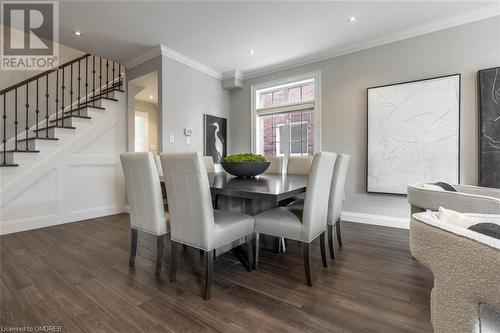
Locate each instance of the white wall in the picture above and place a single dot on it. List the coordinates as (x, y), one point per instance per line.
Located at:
(464, 49)
(75, 178)
(187, 94)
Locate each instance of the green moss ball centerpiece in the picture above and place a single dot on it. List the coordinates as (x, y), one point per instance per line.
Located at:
(245, 165)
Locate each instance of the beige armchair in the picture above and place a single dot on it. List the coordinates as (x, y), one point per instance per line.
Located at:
(466, 268)
(467, 199)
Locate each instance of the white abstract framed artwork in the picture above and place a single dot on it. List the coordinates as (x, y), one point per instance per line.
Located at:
(413, 134)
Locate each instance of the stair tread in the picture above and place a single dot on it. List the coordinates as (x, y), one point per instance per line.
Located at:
(70, 116)
(35, 138)
(8, 165)
(53, 126)
(20, 151)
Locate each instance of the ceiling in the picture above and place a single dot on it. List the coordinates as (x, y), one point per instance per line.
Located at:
(149, 85)
(220, 34)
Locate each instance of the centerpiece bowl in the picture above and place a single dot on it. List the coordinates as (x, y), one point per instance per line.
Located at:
(245, 165)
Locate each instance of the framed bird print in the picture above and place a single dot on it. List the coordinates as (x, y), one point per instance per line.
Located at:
(215, 137)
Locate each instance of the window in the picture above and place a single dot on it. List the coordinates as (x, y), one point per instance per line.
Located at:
(293, 93)
(286, 117)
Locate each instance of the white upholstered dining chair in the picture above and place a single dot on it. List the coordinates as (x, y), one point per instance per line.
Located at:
(303, 225)
(145, 202)
(299, 165)
(209, 164)
(276, 165)
(193, 221)
(337, 197)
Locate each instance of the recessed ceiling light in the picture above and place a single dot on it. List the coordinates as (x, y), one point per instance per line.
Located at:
(151, 97)
(353, 19)
(77, 33)
(251, 51)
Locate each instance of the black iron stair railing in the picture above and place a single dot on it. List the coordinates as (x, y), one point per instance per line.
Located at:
(64, 97)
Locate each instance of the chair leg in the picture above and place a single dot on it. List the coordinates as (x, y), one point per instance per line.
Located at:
(173, 261)
(330, 241)
(133, 246)
(339, 236)
(283, 245)
(209, 273)
(323, 248)
(248, 243)
(256, 256)
(307, 263)
(160, 251)
(215, 201)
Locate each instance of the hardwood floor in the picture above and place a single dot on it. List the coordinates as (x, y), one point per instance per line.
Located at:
(77, 275)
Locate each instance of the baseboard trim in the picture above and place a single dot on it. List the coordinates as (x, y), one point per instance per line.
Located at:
(9, 227)
(382, 220)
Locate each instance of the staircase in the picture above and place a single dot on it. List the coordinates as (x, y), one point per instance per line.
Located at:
(36, 112)
(62, 132)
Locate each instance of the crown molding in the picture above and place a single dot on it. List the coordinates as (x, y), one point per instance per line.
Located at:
(163, 50)
(477, 15)
(183, 59)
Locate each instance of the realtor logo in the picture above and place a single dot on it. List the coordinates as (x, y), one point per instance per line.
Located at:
(30, 35)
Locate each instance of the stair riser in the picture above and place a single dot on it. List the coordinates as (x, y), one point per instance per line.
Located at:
(20, 158)
(97, 103)
(42, 145)
(49, 133)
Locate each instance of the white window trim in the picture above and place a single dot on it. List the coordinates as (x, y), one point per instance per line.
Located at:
(316, 75)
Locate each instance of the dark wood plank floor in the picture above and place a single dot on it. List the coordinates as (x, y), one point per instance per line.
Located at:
(77, 275)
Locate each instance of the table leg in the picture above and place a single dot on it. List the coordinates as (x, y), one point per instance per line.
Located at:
(241, 255)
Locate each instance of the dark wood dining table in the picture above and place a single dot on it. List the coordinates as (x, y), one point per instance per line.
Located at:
(253, 196)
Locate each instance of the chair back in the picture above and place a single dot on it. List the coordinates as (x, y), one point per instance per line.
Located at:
(337, 193)
(299, 165)
(158, 165)
(276, 165)
(144, 193)
(317, 194)
(189, 199)
(209, 164)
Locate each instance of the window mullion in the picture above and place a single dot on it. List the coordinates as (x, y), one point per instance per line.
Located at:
(287, 140)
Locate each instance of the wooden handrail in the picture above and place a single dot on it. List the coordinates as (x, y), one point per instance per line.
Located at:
(47, 72)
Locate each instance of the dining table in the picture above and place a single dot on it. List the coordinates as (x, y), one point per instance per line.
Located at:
(252, 196)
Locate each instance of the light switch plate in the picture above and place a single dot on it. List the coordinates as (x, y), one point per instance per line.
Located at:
(188, 140)
(172, 138)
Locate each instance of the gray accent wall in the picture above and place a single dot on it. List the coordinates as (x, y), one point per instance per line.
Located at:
(187, 94)
(464, 49)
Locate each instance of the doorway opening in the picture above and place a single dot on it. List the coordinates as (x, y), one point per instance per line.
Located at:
(144, 90)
